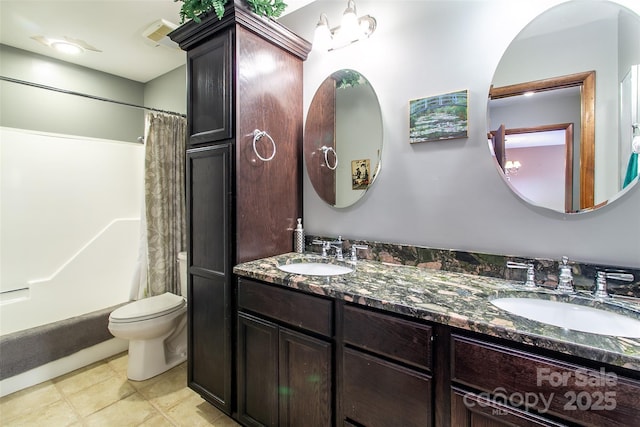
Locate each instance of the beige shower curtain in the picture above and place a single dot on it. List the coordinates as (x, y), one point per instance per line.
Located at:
(164, 201)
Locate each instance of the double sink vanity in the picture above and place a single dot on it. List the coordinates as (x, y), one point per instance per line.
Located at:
(372, 343)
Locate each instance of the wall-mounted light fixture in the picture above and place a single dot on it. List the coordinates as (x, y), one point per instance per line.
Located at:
(351, 29)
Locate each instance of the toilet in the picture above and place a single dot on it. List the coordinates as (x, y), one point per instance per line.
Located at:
(156, 328)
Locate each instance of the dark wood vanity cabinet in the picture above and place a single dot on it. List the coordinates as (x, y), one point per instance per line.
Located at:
(386, 370)
(243, 73)
(285, 357)
(498, 385)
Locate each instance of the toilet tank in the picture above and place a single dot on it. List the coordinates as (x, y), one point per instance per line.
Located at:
(182, 265)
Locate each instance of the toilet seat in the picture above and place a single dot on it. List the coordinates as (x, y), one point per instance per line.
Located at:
(148, 308)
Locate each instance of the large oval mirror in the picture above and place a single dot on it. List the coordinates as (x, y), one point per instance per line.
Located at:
(343, 138)
(562, 105)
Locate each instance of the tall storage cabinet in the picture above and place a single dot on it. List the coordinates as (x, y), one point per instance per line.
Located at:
(244, 73)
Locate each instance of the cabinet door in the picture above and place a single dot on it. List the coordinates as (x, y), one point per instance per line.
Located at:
(472, 410)
(209, 92)
(257, 371)
(379, 393)
(305, 384)
(209, 289)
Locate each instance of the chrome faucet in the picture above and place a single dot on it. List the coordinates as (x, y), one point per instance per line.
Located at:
(337, 245)
(325, 246)
(600, 291)
(530, 283)
(328, 244)
(354, 250)
(565, 282)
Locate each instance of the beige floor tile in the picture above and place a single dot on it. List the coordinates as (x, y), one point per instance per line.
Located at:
(130, 411)
(168, 392)
(194, 412)
(76, 381)
(58, 414)
(139, 385)
(119, 362)
(100, 395)
(32, 399)
(157, 421)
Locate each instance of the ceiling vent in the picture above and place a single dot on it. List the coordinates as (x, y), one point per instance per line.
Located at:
(157, 32)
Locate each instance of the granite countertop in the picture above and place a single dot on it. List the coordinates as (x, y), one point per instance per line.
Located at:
(455, 299)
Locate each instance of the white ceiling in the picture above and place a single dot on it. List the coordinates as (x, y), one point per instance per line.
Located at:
(113, 26)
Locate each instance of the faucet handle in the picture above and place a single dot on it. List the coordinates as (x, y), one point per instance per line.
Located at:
(325, 246)
(531, 282)
(565, 279)
(601, 291)
(354, 249)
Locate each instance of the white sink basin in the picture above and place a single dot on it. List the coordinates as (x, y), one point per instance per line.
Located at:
(572, 316)
(316, 269)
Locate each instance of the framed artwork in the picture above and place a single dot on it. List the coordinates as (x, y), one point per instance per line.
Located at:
(360, 174)
(438, 117)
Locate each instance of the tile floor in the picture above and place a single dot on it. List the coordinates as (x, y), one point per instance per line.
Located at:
(101, 395)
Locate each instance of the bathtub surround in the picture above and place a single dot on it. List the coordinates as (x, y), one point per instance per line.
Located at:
(487, 265)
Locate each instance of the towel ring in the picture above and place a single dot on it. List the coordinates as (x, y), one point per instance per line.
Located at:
(257, 134)
(326, 150)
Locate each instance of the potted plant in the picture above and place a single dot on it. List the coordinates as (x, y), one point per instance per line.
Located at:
(191, 9)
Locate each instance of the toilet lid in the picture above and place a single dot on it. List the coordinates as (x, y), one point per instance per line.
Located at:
(148, 308)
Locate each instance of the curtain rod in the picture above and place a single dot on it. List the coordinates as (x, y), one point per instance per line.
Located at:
(84, 95)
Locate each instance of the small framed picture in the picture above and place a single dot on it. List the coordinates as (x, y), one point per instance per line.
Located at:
(360, 174)
(438, 117)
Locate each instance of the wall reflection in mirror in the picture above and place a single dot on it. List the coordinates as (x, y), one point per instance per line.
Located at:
(343, 138)
(562, 104)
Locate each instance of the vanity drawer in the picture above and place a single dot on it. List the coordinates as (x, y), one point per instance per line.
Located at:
(388, 336)
(379, 393)
(292, 307)
(572, 392)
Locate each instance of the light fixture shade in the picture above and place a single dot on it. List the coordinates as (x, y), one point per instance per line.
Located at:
(350, 30)
(322, 35)
(350, 27)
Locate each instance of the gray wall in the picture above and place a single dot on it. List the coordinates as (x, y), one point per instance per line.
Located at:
(25, 107)
(168, 92)
(449, 194)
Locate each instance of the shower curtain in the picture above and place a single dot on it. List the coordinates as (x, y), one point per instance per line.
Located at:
(163, 228)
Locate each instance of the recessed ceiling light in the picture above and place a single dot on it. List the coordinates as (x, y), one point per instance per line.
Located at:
(65, 45)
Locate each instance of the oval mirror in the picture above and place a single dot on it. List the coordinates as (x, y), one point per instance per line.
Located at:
(343, 138)
(563, 103)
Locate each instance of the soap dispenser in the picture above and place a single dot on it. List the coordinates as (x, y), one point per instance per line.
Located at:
(298, 237)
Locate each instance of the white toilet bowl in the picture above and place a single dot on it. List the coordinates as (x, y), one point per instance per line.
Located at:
(156, 328)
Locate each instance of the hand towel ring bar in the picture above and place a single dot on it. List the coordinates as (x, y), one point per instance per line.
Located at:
(257, 134)
(326, 150)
